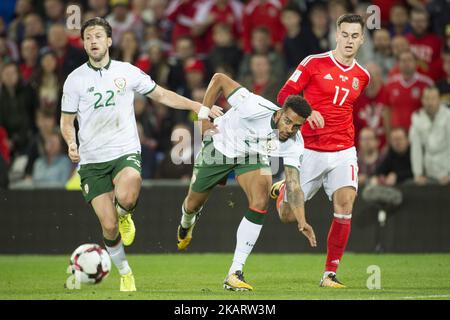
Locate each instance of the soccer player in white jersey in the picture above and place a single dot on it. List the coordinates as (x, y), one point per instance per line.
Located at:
(244, 138)
(100, 95)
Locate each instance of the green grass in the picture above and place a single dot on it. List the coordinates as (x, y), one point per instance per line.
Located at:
(200, 276)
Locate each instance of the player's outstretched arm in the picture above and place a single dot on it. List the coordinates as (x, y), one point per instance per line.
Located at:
(176, 101)
(296, 200)
(68, 133)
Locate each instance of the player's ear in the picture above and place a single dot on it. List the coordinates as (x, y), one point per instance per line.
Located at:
(109, 41)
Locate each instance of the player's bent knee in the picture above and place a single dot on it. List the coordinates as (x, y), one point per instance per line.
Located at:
(259, 204)
(192, 205)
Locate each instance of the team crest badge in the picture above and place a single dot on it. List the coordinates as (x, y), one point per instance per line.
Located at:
(355, 83)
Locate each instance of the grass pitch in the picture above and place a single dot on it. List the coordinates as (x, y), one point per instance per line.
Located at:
(200, 276)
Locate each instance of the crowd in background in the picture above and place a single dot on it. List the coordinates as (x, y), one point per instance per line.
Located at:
(402, 119)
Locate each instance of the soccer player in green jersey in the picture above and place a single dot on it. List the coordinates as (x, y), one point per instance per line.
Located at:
(100, 94)
(242, 141)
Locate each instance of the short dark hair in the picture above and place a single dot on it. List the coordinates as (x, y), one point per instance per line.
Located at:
(350, 18)
(299, 105)
(97, 21)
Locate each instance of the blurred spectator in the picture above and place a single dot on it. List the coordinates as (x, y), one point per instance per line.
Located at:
(54, 168)
(368, 108)
(122, 19)
(399, 20)
(212, 13)
(194, 70)
(263, 14)
(160, 21)
(439, 20)
(30, 54)
(382, 55)
(400, 44)
(365, 52)
(261, 80)
(147, 136)
(46, 124)
(425, 45)
(99, 7)
(430, 140)
(141, 9)
(69, 57)
(54, 12)
(128, 50)
(444, 85)
(317, 34)
(403, 93)
(225, 49)
(4, 159)
(262, 44)
(395, 168)
(8, 51)
(159, 67)
(17, 104)
(295, 45)
(184, 49)
(178, 161)
(181, 13)
(4, 147)
(47, 82)
(34, 28)
(16, 29)
(368, 155)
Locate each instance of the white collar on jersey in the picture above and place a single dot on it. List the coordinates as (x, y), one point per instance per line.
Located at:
(338, 64)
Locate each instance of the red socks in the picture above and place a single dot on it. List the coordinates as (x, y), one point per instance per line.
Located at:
(337, 240)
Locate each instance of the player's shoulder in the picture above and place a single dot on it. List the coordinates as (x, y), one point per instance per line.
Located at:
(315, 59)
(78, 74)
(363, 70)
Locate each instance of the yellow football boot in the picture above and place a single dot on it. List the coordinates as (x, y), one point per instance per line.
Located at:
(127, 282)
(127, 229)
(236, 282)
(331, 281)
(275, 190)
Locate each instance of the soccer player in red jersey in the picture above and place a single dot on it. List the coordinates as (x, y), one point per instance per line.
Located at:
(331, 82)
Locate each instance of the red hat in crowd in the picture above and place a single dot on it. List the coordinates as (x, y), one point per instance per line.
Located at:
(194, 65)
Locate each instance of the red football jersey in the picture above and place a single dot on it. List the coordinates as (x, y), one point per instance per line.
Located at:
(404, 97)
(330, 88)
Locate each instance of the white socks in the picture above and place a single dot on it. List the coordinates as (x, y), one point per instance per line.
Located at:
(117, 255)
(246, 237)
(188, 220)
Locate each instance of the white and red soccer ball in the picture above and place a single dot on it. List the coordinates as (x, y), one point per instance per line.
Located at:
(90, 263)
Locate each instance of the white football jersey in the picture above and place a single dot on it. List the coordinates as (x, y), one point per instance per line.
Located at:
(247, 129)
(103, 100)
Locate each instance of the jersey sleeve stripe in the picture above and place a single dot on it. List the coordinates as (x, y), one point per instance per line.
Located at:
(233, 92)
(150, 90)
(309, 58)
(68, 112)
(363, 69)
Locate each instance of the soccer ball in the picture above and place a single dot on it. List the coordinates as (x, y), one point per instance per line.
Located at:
(90, 263)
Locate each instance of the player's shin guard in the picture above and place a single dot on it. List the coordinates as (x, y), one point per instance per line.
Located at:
(246, 237)
(337, 241)
(117, 253)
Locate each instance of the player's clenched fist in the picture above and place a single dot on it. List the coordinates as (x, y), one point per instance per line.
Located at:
(73, 152)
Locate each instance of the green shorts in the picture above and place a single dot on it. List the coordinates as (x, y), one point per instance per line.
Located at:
(97, 178)
(212, 167)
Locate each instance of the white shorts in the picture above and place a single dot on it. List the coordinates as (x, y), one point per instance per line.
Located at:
(333, 170)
